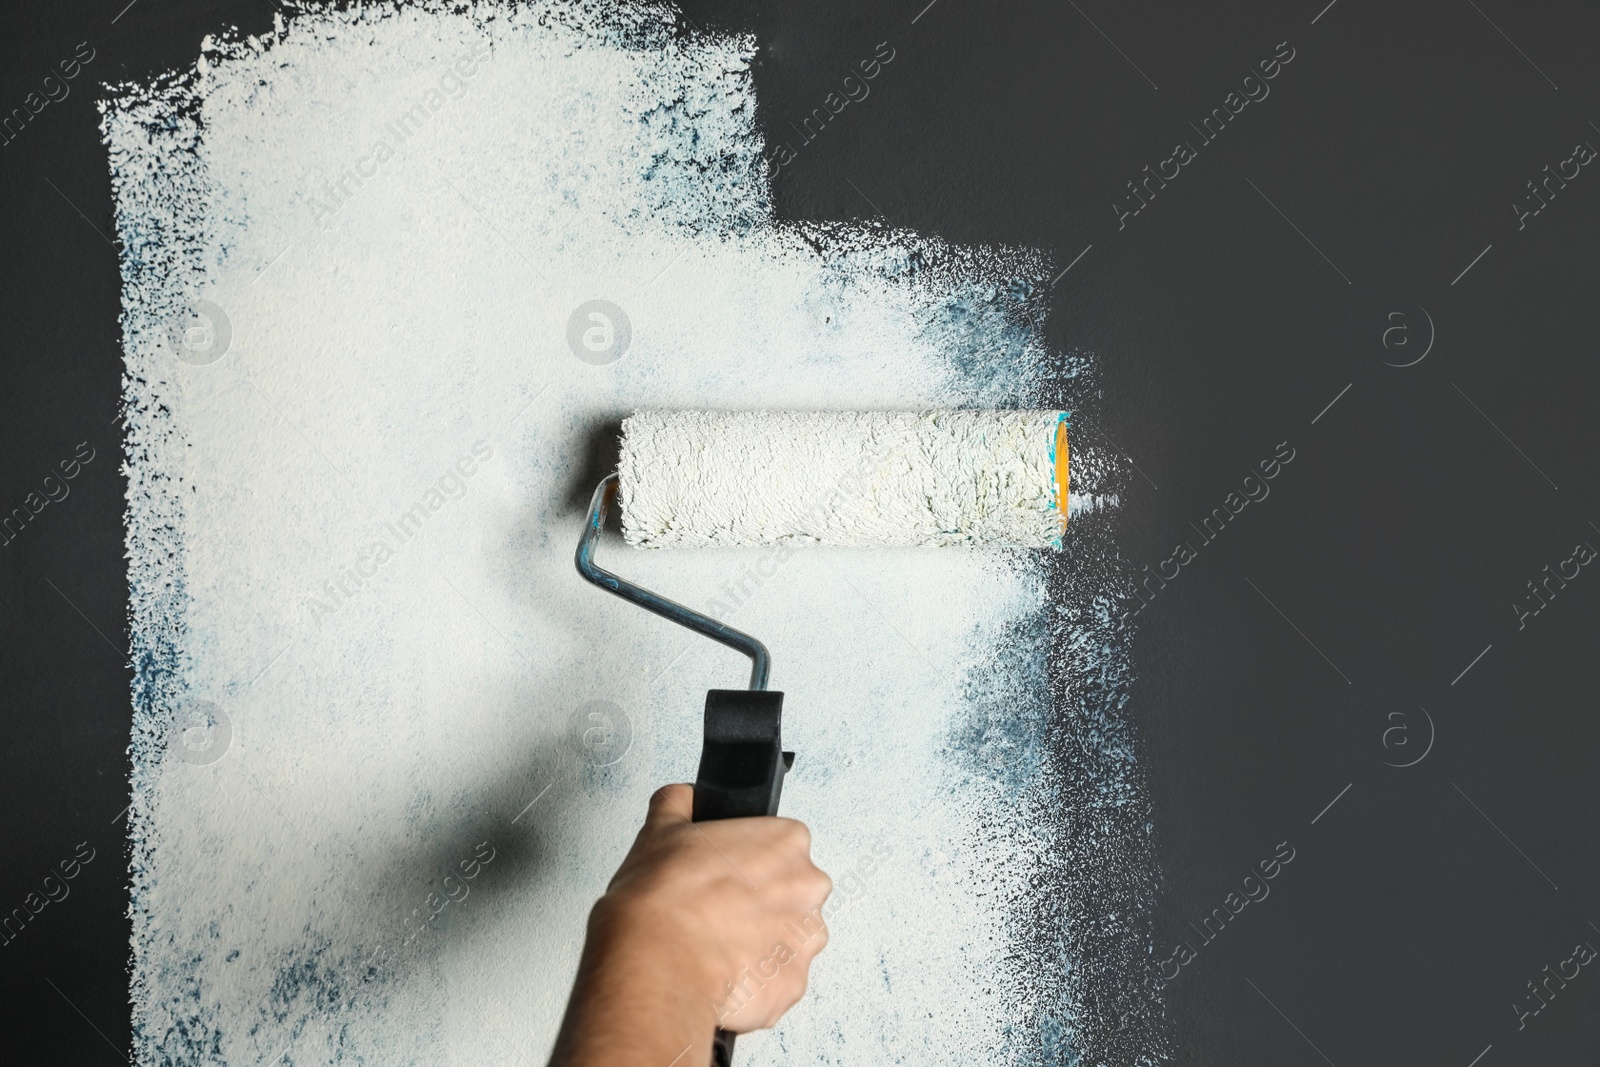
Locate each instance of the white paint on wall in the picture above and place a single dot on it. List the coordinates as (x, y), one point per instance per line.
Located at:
(352, 510)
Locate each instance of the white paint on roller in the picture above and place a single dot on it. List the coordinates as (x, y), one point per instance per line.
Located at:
(698, 479)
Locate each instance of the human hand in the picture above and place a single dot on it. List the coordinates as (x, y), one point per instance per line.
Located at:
(735, 904)
(705, 925)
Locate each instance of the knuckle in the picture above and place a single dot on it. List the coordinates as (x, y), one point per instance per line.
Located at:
(666, 794)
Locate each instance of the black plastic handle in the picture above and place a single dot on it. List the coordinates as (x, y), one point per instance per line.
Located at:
(742, 765)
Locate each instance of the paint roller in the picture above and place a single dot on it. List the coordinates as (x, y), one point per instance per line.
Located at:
(698, 479)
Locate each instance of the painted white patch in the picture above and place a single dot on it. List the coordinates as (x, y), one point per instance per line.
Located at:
(694, 479)
(357, 434)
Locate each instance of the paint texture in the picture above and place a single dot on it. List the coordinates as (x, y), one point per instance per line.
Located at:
(387, 746)
(696, 479)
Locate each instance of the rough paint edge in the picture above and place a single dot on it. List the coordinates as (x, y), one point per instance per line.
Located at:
(1085, 921)
(1094, 790)
(159, 260)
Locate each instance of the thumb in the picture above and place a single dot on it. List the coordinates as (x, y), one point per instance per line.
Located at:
(670, 804)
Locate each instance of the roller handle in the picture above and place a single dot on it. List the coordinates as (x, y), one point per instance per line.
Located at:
(742, 764)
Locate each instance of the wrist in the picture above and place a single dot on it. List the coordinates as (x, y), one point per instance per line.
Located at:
(644, 943)
(636, 1003)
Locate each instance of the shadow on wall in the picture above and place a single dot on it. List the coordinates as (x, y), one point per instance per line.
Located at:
(497, 841)
(599, 452)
